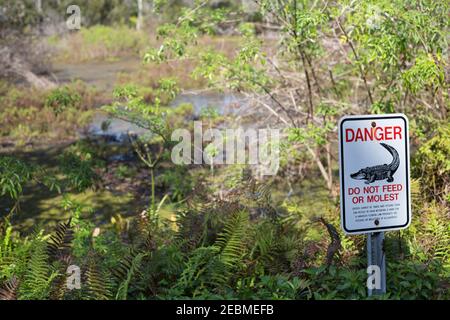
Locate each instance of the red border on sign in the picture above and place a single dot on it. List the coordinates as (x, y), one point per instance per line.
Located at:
(341, 167)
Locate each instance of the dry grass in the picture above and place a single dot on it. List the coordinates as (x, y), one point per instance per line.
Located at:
(100, 43)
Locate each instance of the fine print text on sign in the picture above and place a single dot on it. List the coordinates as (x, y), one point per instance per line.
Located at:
(374, 173)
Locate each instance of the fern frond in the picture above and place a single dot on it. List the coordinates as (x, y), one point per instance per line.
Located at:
(97, 282)
(197, 271)
(120, 272)
(59, 287)
(38, 278)
(437, 229)
(132, 271)
(265, 243)
(190, 225)
(60, 242)
(9, 290)
(231, 241)
(416, 194)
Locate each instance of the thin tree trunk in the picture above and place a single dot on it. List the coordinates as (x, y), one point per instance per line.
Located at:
(323, 171)
(152, 201)
(308, 83)
(38, 4)
(139, 21)
(329, 165)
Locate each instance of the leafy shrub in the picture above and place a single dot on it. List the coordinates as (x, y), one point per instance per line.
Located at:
(13, 175)
(337, 283)
(79, 172)
(273, 287)
(431, 163)
(425, 72)
(62, 98)
(412, 280)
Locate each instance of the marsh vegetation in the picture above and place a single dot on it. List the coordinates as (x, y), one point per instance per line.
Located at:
(86, 176)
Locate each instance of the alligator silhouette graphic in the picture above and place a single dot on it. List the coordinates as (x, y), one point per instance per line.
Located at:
(380, 172)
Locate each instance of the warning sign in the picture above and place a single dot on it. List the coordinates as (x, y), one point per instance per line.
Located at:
(374, 173)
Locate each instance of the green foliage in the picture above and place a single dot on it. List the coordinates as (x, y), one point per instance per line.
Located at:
(60, 242)
(30, 114)
(13, 175)
(16, 174)
(201, 272)
(389, 29)
(305, 25)
(37, 281)
(229, 238)
(146, 115)
(311, 134)
(432, 163)
(123, 288)
(414, 281)
(96, 12)
(79, 173)
(208, 269)
(18, 14)
(273, 287)
(119, 38)
(178, 181)
(425, 72)
(337, 283)
(232, 239)
(216, 253)
(62, 98)
(101, 42)
(124, 171)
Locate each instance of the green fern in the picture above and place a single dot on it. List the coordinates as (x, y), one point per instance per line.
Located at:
(39, 276)
(437, 227)
(199, 270)
(264, 244)
(5, 247)
(231, 244)
(231, 241)
(129, 269)
(416, 195)
(97, 283)
(211, 267)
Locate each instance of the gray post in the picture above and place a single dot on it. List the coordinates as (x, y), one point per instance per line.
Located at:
(376, 257)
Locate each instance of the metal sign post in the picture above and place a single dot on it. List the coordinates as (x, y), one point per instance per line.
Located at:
(377, 257)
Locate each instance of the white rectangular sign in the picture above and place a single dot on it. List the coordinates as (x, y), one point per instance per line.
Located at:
(374, 173)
